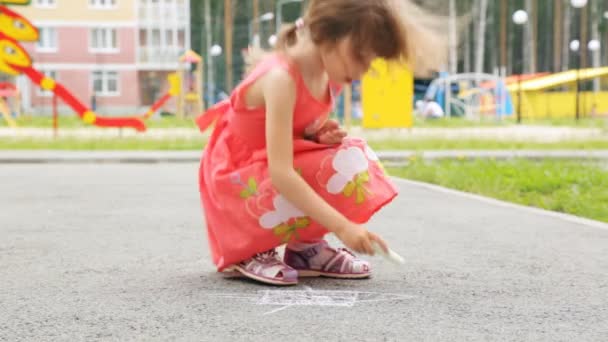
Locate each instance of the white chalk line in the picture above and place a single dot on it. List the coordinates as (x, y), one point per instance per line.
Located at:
(310, 297)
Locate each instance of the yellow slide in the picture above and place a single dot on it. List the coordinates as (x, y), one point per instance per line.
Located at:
(6, 113)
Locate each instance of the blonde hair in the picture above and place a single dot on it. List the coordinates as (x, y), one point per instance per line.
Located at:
(396, 30)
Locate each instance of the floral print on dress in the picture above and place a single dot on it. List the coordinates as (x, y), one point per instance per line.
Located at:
(352, 173)
(284, 220)
(271, 210)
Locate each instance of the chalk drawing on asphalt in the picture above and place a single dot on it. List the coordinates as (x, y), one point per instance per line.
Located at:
(309, 297)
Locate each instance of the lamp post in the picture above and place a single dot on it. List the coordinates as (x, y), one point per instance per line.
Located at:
(214, 51)
(594, 46)
(575, 47)
(520, 18)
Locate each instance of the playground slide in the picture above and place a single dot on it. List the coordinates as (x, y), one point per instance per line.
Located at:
(81, 110)
(561, 78)
(14, 60)
(6, 114)
(174, 88)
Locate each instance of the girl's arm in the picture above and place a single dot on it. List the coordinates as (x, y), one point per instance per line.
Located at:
(279, 92)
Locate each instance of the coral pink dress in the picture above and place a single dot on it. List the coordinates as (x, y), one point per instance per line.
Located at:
(245, 214)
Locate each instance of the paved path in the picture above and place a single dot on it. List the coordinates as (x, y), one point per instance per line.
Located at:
(395, 157)
(117, 252)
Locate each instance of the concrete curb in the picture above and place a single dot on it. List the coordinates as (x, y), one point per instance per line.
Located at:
(391, 157)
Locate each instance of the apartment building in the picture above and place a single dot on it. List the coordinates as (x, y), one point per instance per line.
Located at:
(111, 54)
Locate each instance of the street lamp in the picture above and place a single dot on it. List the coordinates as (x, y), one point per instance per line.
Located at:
(215, 50)
(578, 3)
(255, 36)
(575, 47)
(520, 18)
(594, 45)
(272, 40)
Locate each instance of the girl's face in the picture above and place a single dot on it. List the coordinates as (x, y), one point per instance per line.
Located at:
(340, 64)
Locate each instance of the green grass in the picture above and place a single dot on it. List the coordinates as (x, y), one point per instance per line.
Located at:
(72, 121)
(574, 187)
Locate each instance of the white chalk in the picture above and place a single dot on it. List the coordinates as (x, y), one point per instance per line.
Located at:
(391, 255)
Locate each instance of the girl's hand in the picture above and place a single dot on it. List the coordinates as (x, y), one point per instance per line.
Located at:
(331, 133)
(359, 239)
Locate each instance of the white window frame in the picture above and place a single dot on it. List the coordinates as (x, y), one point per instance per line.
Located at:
(108, 40)
(45, 3)
(47, 93)
(103, 4)
(43, 36)
(104, 83)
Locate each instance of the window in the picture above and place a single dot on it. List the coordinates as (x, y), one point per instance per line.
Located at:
(45, 93)
(105, 83)
(102, 4)
(47, 41)
(155, 38)
(103, 40)
(169, 37)
(45, 3)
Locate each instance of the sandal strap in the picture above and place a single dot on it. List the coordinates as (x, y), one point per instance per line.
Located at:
(268, 265)
(341, 257)
(329, 260)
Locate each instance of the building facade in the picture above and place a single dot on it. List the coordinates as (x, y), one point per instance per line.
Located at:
(113, 55)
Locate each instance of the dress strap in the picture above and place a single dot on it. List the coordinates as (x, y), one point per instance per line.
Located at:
(271, 61)
(236, 100)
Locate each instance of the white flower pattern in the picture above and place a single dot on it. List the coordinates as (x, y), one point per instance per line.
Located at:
(284, 211)
(348, 163)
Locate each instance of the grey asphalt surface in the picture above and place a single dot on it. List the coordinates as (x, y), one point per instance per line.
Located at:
(389, 156)
(118, 252)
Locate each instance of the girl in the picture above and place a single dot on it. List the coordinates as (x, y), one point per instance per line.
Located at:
(277, 171)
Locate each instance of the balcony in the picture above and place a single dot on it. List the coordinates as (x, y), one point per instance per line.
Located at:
(164, 58)
(164, 14)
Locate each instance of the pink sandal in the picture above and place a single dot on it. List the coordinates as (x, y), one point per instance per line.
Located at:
(320, 259)
(267, 268)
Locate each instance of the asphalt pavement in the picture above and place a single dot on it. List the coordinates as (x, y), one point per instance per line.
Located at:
(118, 252)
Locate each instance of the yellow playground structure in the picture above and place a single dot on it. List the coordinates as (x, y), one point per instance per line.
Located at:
(8, 92)
(189, 99)
(387, 96)
(543, 98)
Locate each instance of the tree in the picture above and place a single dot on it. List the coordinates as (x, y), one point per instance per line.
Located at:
(566, 35)
(481, 33)
(557, 35)
(228, 35)
(503, 15)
